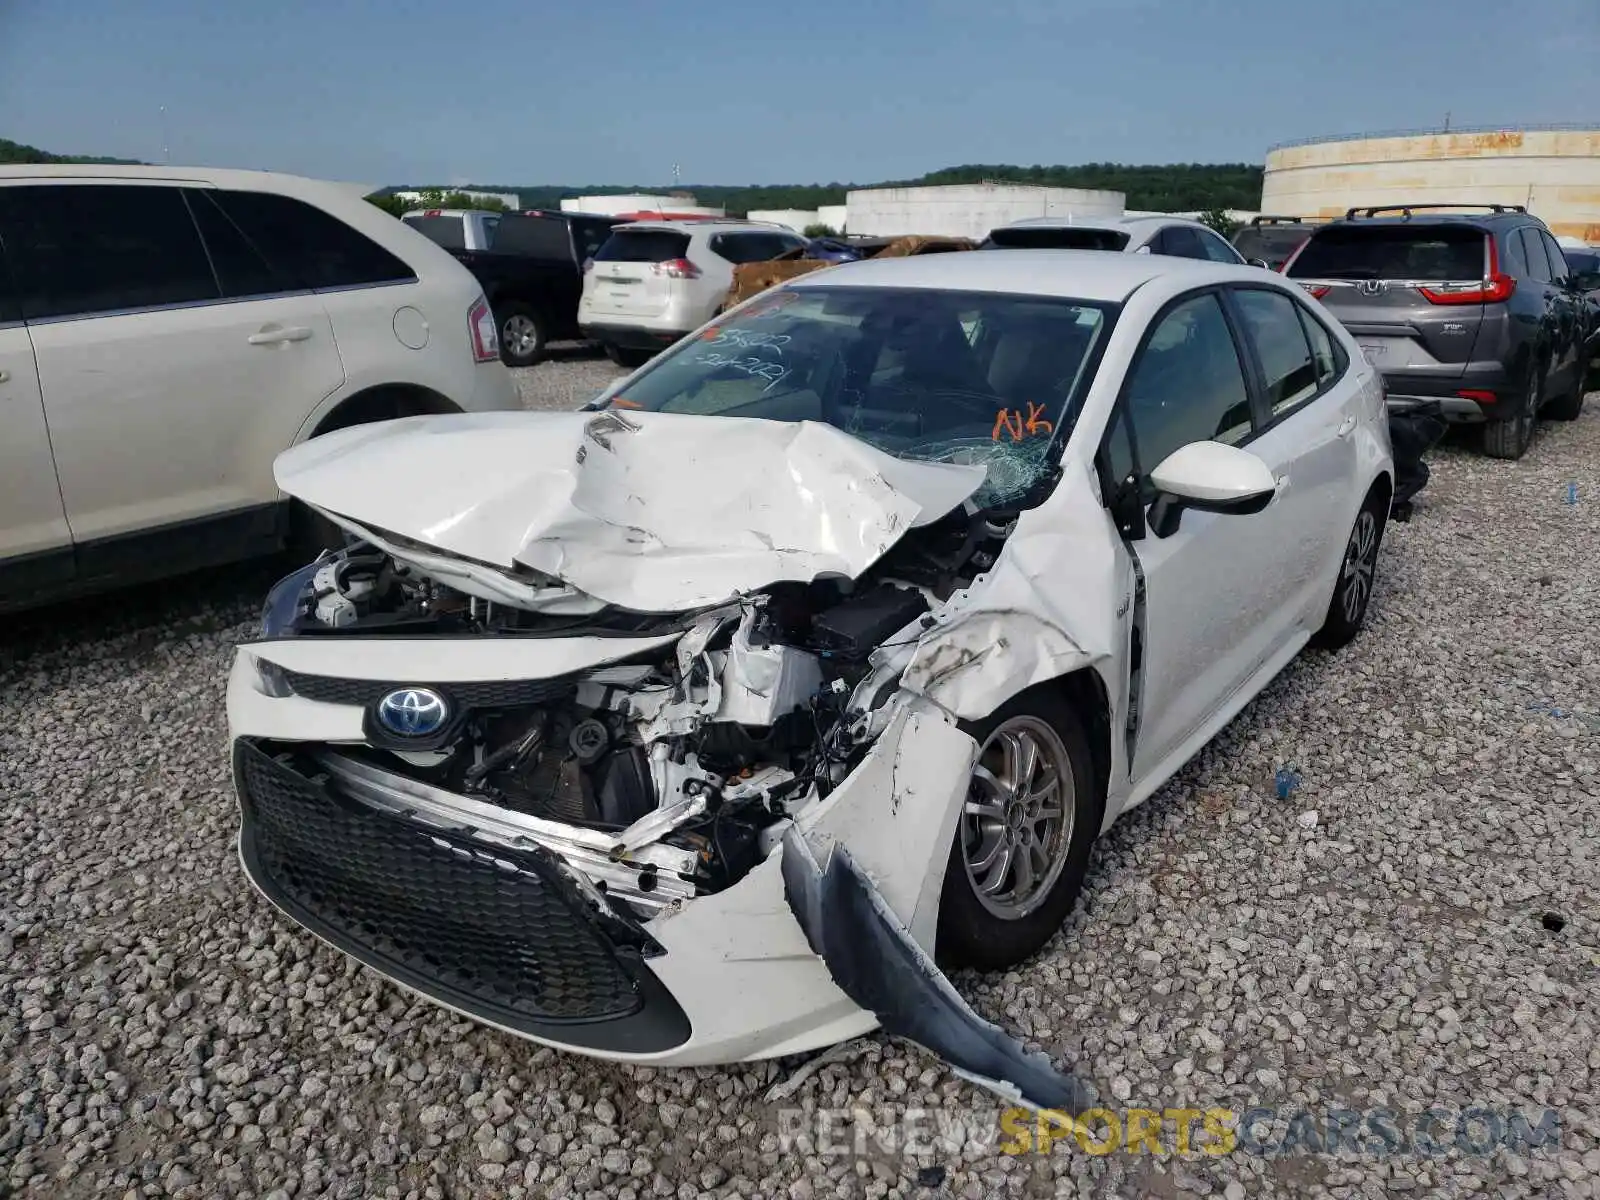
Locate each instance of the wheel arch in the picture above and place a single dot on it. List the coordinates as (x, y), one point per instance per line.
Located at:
(381, 402)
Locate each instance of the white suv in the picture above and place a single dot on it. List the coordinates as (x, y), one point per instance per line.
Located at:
(654, 281)
(166, 333)
(1177, 237)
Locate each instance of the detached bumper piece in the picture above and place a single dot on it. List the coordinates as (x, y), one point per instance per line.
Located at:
(872, 958)
(502, 935)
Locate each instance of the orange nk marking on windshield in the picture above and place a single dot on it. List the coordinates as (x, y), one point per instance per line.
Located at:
(1013, 422)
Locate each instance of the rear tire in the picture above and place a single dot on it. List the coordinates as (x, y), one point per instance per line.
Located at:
(1007, 813)
(1511, 438)
(1358, 573)
(522, 337)
(631, 359)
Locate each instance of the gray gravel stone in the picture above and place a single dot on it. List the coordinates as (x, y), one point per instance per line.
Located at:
(165, 1032)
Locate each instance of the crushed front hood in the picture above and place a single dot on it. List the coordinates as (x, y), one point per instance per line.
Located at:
(656, 512)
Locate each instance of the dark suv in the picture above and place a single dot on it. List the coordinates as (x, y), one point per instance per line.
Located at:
(1475, 316)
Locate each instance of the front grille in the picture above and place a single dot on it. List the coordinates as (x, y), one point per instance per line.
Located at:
(495, 933)
(492, 693)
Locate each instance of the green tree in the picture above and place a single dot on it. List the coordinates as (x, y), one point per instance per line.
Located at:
(816, 231)
(1219, 220)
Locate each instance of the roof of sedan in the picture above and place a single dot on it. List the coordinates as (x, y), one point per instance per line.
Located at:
(1076, 274)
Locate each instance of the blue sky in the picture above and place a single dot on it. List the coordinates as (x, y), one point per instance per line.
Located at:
(527, 91)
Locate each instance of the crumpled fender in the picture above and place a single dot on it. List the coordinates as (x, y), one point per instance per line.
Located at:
(1017, 626)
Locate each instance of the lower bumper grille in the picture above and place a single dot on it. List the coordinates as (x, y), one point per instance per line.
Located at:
(496, 933)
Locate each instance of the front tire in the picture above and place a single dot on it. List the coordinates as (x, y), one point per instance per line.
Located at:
(1021, 846)
(522, 337)
(1358, 572)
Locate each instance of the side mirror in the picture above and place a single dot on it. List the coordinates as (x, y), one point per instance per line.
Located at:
(1208, 477)
(1259, 262)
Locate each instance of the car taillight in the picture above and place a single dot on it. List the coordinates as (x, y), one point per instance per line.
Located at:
(678, 268)
(1317, 290)
(485, 337)
(1494, 287)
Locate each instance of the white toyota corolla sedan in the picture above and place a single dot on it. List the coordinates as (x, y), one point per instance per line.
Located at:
(709, 724)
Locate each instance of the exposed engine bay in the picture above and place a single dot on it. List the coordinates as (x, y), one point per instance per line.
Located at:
(660, 777)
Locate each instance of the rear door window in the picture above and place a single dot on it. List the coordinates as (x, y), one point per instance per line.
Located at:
(1516, 256)
(449, 232)
(82, 249)
(1428, 252)
(747, 247)
(314, 246)
(1182, 242)
(1215, 248)
(1288, 369)
(241, 268)
(643, 246)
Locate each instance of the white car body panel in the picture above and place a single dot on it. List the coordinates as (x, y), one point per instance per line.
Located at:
(611, 514)
(170, 414)
(1063, 596)
(35, 520)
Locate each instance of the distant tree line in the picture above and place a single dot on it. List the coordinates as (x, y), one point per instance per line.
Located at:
(16, 152)
(433, 198)
(1178, 187)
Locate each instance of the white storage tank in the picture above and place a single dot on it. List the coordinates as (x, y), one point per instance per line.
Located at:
(796, 219)
(1553, 171)
(834, 216)
(969, 209)
(621, 205)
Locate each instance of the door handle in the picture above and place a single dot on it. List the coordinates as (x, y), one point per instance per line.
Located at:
(272, 337)
(4, 375)
(1347, 426)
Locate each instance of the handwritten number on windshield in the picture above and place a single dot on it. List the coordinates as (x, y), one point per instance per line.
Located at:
(1013, 422)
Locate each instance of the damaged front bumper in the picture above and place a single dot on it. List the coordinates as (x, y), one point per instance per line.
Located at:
(533, 927)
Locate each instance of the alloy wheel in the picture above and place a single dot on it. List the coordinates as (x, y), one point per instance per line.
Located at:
(1016, 824)
(520, 335)
(1360, 563)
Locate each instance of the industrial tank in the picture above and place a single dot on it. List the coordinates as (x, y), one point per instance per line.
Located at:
(1554, 171)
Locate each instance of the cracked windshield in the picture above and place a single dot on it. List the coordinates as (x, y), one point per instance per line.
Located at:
(969, 378)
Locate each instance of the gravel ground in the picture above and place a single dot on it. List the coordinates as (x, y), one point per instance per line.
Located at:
(1378, 938)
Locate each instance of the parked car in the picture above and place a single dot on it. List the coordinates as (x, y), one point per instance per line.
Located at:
(166, 333)
(531, 267)
(1272, 240)
(630, 712)
(1474, 314)
(1585, 267)
(654, 281)
(1175, 236)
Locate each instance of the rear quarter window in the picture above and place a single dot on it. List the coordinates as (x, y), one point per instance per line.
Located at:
(644, 245)
(1432, 252)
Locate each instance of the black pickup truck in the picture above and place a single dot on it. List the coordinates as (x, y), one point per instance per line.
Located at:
(530, 265)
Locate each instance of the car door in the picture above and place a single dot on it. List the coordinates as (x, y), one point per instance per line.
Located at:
(1202, 629)
(1568, 359)
(35, 542)
(1547, 306)
(1308, 417)
(160, 356)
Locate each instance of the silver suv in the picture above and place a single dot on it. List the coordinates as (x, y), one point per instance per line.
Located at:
(1475, 316)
